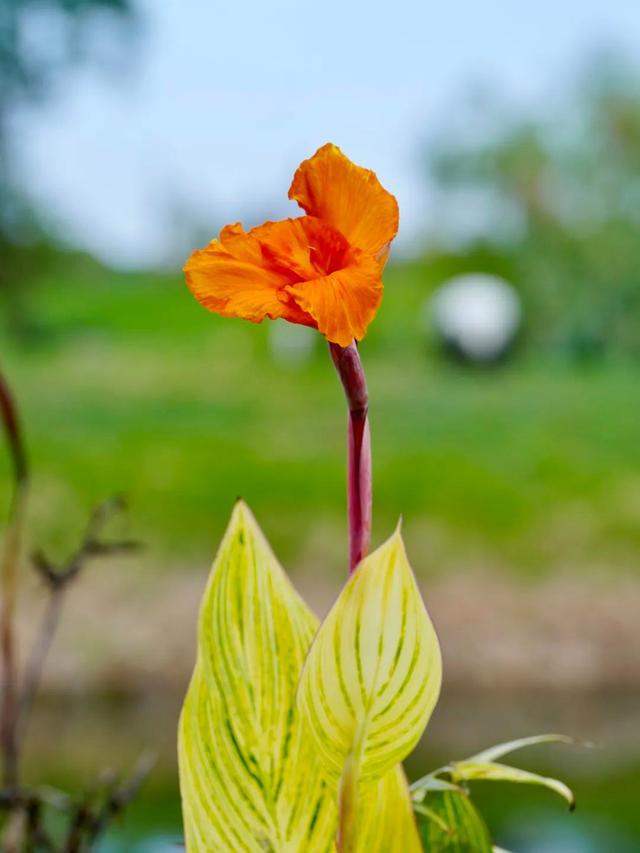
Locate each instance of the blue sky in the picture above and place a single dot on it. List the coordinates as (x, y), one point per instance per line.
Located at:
(220, 101)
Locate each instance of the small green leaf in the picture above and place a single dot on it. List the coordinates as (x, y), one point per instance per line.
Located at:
(431, 814)
(249, 776)
(460, 828)
(431, 782)
(467, 771)
(373, 673)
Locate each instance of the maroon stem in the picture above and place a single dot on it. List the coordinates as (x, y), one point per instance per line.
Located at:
(9, 559)
(349, 367)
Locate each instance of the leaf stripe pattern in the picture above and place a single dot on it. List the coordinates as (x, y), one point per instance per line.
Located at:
(385, 822)
(373, 673)
(249, 776)
(466, 830)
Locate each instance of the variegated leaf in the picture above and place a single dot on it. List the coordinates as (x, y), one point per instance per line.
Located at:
(467, 771)
(249, 777)
(502, 749)
(385, 822)
(373, 673)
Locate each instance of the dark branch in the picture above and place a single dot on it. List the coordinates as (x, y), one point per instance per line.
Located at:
(57, 579)
(91, 545)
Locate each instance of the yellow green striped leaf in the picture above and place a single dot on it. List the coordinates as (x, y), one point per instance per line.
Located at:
(491, 771)
(249, 776)
(385, 822)
(373, 673)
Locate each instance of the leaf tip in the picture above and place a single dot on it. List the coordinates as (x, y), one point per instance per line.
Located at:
(241, 512)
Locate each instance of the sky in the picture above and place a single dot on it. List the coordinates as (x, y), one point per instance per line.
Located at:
(214, 105)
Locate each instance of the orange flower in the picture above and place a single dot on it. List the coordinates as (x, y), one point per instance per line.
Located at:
(322, 270)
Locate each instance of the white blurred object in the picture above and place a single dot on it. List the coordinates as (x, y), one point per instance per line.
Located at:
(290, 344)
(477, 314)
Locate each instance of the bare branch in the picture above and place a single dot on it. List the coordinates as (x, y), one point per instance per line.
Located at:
(57, 579)
(89, 822)
(91, 545)
(119, 798)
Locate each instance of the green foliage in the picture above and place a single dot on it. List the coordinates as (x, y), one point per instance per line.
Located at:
(26, 72)
(449, 821)
(29, 69)
(515, 453)
(452, 824)
(560, 201)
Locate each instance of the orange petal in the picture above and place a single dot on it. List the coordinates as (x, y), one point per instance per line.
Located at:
(301, 249)
(301, 270)
(348, 197)
(344, 302)
(231, 277)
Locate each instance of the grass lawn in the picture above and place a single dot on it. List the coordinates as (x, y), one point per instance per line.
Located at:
(132, 387)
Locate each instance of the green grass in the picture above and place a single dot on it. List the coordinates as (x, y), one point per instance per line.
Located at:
(132, 387)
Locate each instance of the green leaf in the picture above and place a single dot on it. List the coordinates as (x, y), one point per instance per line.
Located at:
(502, 749)
(249, 776)
(464, 829)
(430, 814)
(373, 673)
(467, 771)
(431, 782)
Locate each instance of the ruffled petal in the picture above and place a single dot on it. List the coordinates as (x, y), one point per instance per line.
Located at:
(343, 303)
(348, 197)
(230, 277)
(302, 270)
(301, 249)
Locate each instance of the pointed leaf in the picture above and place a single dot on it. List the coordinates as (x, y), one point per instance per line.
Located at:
(430, 782)
(249, 777)
(373, 673)
(501, 749)
(466, 771)
(431, 814)
(465, 830)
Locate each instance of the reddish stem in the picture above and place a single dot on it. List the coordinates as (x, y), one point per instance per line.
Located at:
(359, 490)
(9, 559)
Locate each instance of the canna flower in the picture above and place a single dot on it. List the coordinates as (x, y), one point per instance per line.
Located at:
(322, 270)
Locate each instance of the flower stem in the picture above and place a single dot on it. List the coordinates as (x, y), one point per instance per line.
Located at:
(359, 490)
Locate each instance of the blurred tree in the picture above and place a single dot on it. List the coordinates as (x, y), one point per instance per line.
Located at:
(561, 197)
(38, 39)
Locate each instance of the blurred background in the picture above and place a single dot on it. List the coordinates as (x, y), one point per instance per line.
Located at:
(503, 366)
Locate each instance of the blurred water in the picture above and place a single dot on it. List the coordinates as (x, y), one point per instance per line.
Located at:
(74, 740)
(553, 836)
(154, 844)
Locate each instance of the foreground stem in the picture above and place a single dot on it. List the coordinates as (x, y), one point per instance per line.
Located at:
(8, 579)
(359, 489)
